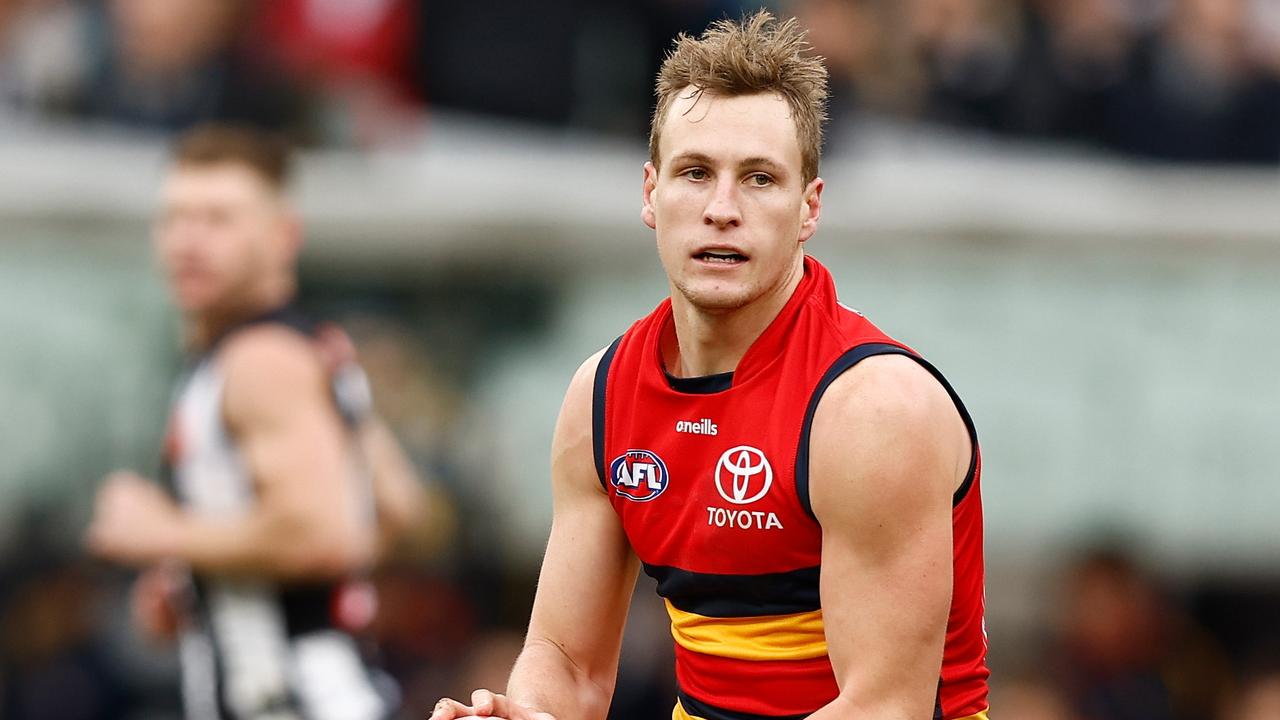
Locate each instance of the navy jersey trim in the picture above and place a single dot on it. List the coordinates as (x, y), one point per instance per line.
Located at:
(700, 385)
(204, 619)
(842, 364)
(734, 596)
(308, 607)
(288, 315)
(598, 410)
(701, 709)
(348, 384)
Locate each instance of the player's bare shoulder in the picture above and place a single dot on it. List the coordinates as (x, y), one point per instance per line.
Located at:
(891, 417)
(572, 449)
(269, 364)
(891, 388)
(582, 386)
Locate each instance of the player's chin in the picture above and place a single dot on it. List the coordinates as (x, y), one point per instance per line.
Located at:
(194, 297)
(718, 296)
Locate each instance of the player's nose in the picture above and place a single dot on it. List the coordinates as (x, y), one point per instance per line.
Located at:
(722, 208)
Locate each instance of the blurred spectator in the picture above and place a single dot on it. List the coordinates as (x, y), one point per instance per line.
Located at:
(646, 669)
(488, 661)
(1200, 90)
(356, 53)
(1259, 697)
(1126, 653)
(170, 64)
(1073, 57)
(43, 48)
(861, 43)
(1030, 698)
(616, 50)
(413, 395)
(968, 50)
(52, 664)
(422, 623)
(503, 57)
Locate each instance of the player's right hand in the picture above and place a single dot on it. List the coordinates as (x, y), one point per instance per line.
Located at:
(485, 704)
(154, 603)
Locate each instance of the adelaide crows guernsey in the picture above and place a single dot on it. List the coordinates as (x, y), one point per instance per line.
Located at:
(252, 649)
(710, 478)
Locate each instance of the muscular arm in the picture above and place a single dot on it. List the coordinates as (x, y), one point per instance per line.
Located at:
(570, 660)
(569, 663)
(888, 451)
(308, 520)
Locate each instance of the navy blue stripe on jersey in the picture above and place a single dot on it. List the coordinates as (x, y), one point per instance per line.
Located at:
(839, 367)
(288, 315)
(597, 411)
(732, 596)
(205, 620)
(308, 607)
(700, 385)
(707, 711)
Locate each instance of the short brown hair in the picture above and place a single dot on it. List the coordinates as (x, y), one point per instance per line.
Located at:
(757, 55)
(264, 153)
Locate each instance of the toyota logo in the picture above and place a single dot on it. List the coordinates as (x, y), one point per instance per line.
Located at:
(743, 464)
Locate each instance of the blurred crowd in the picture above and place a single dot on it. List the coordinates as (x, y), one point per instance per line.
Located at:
(1120, 643)
(1181, 80)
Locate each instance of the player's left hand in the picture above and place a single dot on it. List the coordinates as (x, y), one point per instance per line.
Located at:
(485, 704)
(133, 520)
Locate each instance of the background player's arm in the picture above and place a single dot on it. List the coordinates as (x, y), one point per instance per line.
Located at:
(406, 508)
(569, 664)
(308, 519)
(888, 450)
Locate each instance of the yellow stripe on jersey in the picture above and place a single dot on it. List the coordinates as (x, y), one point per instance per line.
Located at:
(679, 713)
(772, 637)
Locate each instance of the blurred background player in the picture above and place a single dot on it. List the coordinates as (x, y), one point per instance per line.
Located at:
(286, 487)
(840, 577)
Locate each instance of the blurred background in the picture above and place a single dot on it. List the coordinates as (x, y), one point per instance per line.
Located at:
(1071, 206)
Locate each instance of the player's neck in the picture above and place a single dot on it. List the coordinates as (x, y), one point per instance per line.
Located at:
(205, 327)
(713, 342)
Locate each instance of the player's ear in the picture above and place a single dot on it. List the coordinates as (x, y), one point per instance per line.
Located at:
(811, 208)
(650, 186)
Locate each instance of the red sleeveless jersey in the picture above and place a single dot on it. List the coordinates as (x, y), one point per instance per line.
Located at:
(710, 479)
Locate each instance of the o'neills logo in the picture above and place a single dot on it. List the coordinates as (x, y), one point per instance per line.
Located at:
(701, 427)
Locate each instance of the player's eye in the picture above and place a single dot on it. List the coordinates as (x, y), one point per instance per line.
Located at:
(759, 179)
(696, 173)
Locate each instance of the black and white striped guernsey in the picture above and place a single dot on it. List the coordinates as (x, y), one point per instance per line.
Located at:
(255, 649)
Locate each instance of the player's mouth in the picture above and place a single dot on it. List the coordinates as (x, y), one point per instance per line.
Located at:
(720, 256)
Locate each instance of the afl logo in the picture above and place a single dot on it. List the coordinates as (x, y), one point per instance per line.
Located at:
(741, 471)
(638, 475)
